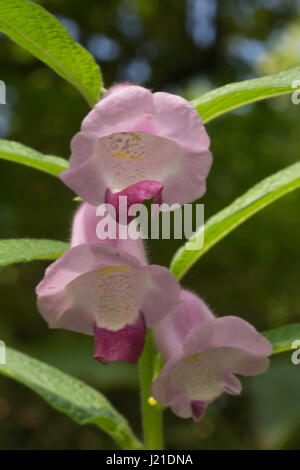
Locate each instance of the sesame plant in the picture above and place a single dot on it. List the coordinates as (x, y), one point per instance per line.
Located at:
(141, 145)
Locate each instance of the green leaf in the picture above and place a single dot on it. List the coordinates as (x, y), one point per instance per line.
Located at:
(228, 97)
(282, 338)
(28, 249)
(15, 152)
(33, 28)
(70, 396)
(221, 224)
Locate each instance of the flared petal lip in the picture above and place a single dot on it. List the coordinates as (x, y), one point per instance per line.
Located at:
(227, 332)
(131, 108)
(233, 345)
(125, 344)
(156, 113)
(84, 258)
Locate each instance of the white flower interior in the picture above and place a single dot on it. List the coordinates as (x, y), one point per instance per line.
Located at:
(198, 379)
(131, 157)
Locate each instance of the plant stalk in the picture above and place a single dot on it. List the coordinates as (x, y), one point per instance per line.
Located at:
(151, 414)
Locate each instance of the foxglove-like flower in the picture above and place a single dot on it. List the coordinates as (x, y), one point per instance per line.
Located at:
(202, 355)
(99, 288)
(141, 145)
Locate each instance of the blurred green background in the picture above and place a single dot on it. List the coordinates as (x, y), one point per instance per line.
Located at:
(186, 47)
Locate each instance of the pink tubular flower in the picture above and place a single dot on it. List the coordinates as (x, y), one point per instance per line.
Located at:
(106, 289)
(202, 355)
(143, 145)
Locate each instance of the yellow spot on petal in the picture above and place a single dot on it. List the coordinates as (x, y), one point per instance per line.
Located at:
(193, 358)
(110, 269)
(127, 156)
(152, 401)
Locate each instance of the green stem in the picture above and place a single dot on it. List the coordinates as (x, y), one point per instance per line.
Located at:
(152, 415)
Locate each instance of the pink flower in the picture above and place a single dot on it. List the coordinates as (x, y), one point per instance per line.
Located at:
(143, 145)
(202, 355)
(106, 289)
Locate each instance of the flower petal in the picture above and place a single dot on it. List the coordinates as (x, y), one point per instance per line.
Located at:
(198, 409)
(246, 364)
(162, 388)
(227, 331)
(64, 293)
(176, 119)
(203, 353)
(172, 330)
(115, 88)
(199, 377)
(132, 136)
(84, 230)
(204, 376)
(171, 393)
(84, 225)
(98, 283)
(86, 175)
(233, 385)
(162, 295)
(121, 111)
(135, 194)
(125, 344)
